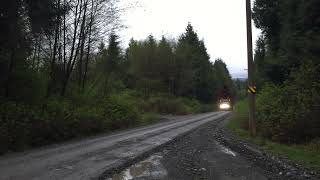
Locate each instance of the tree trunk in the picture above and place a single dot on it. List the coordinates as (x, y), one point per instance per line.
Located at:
(7, 83)
(38, 55)
(53, 61)
(82, 40)
(70, 64)
(88, 49)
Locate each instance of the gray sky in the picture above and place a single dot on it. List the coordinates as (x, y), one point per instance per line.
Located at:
(221, 23)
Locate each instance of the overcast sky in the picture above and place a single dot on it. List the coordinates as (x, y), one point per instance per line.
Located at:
(221, 23)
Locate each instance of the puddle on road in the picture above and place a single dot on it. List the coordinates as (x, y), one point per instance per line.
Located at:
(226, 150)
(147, 169)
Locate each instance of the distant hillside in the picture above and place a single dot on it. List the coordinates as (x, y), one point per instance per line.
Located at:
(240, 76)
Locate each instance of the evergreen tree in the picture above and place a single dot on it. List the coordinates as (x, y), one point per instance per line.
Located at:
(111, 57)
(291, 35)
(225, 86)
(166, 66)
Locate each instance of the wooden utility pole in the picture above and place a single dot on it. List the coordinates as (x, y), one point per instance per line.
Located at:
(251, 83)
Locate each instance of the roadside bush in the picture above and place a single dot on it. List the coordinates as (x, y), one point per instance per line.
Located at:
(165, 105)
(204, 108)
(192, 105)
(289, 113)
(86, 120)
(119, 113)
(170, 104)
(15, 126)
(314, 145)
(23, 126)
(149, 118)
(29, 86)
(58, 120)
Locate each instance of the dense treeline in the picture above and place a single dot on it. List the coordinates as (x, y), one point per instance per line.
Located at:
(65, 75)
(288, 69)
(182, 68)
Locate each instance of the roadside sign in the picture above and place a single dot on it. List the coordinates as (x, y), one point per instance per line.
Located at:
(252, 89)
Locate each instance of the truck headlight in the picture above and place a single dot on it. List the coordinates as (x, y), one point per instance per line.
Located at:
(224, 106)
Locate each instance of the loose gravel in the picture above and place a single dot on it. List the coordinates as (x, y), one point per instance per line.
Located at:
(212, 152)
(195, 156)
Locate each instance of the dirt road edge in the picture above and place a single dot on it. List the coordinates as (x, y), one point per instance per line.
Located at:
(280, 166)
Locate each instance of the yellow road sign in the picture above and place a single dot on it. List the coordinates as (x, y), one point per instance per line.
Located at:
(252, 89)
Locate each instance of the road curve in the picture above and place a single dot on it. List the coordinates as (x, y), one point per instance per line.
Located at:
(89, 158)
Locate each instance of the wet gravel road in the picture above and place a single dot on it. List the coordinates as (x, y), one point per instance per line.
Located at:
(211, 152)
(196, 156)
(90, 158)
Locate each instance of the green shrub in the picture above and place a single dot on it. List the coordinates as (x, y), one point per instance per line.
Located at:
(314, 145)
(289, 113)
(149, 118)
(170, 104)
(15, 125)
(163, 103)
(28, 86)
(23, 126)
(204, 108)
(166, 105)
(191, 105)
(87, 120)
(119, 113)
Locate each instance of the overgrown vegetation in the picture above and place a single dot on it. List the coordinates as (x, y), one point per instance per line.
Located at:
(306, 154)
(288, 71)
(24, 126)
(63, 73)
(288, 113)
(287, 61)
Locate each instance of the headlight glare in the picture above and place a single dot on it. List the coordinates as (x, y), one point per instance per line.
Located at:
(224, 106)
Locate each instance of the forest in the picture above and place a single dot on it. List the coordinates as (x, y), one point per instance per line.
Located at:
(288, 70)
(65, 75)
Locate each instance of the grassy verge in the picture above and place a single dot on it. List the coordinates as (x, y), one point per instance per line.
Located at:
(149, 118)
(306, 155)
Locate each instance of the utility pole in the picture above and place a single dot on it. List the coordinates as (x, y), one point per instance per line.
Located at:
(251, 83)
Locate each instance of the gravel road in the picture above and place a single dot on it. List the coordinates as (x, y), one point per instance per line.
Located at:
(90, 158)
(197, 155)
(212, 152)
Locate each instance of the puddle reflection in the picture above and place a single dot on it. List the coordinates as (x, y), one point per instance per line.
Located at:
(226, 150)
(147, 169)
